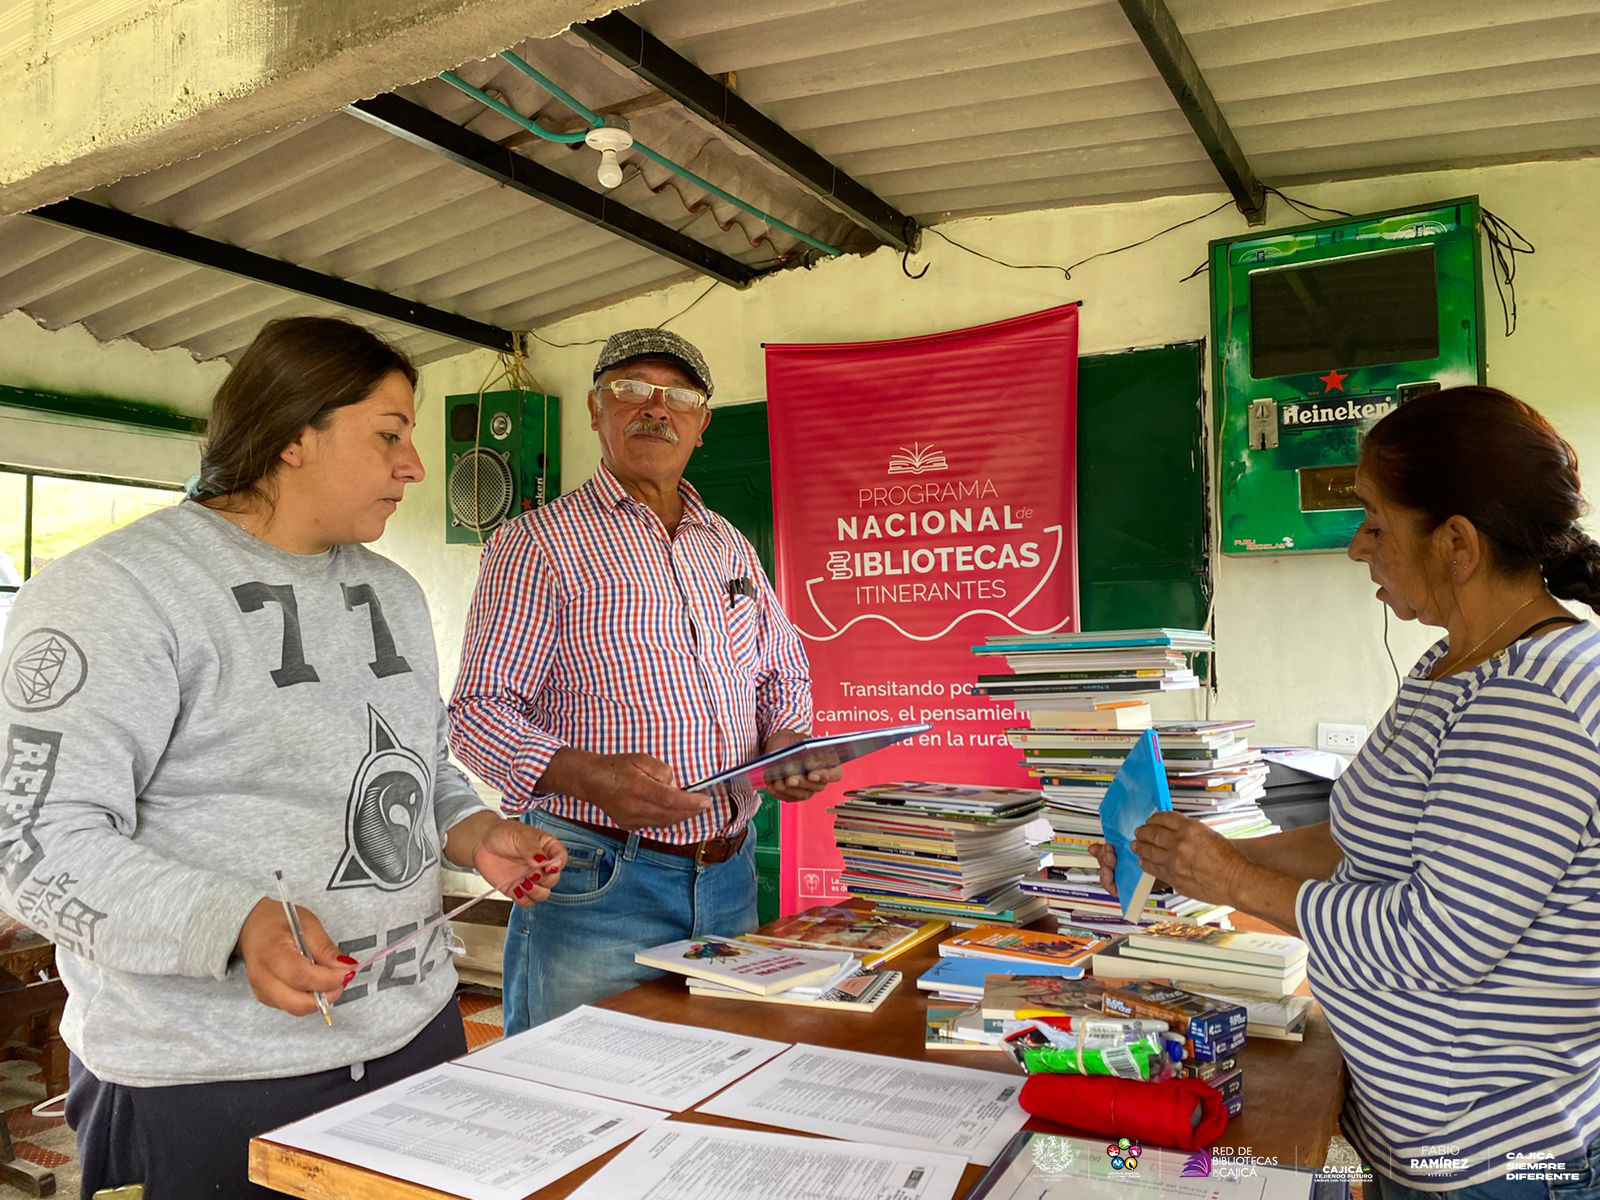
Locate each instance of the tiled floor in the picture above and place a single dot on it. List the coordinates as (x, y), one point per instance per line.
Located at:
(480, 1014)
(43, 1140)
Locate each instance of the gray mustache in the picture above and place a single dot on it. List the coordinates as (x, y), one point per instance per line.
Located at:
(662, 429)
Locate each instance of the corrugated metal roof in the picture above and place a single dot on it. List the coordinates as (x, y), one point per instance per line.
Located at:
(942, 107)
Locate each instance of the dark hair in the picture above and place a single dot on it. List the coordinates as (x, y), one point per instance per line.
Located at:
(1479, 453)
(294, 374)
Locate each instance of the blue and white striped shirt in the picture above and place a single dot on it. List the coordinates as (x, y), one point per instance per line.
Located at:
(1456, 949)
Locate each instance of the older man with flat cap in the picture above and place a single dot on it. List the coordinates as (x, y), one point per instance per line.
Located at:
(623, 641)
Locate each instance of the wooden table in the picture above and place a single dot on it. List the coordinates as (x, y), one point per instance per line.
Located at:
(1293, 1090)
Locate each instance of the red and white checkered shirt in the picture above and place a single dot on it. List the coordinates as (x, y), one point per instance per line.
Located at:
(592, 628)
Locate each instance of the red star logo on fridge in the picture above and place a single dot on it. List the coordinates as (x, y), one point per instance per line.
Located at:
(1333, 381)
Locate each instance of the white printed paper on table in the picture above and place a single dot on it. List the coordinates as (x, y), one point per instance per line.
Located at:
(1044, 1166)
(676, 1160)
(469, 1133)
(627, 1058)
(872, 1098)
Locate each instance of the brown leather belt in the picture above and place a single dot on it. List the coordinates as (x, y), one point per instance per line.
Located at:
(705, 854)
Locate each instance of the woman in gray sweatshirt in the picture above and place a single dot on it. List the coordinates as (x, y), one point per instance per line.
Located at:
(224, 689)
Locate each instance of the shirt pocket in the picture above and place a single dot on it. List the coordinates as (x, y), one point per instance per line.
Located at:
(742, 622)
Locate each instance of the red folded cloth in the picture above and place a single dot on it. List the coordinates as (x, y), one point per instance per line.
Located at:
(1181, 1114)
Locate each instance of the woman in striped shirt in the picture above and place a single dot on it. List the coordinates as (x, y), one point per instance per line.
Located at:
(1451, 904)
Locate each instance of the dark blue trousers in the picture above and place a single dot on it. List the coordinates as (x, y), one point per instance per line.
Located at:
(192, 1140)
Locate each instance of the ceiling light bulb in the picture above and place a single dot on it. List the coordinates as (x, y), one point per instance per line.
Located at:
(610, 139)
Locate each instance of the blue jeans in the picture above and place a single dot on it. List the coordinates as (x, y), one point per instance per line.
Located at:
(614, 899)
(1586, 1185)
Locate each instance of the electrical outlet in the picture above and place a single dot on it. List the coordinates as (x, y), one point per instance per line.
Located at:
(1341, 739)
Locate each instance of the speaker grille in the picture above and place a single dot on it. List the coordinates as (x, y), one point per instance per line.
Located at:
(480, 490)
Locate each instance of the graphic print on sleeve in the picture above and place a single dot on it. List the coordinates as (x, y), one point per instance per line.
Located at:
(46, 670)
(389, 833)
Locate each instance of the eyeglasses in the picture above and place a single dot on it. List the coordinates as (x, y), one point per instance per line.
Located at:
(637, 392)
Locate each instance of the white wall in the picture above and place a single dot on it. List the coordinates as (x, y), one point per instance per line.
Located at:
(71, 362)
(415, 536)
(1298, 637)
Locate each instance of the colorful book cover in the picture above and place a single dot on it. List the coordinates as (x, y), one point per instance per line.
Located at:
(869, 936)
(968, 975)
(1220, 946)
(864, 992)
(1138, 792)
(1017, 997)
(1024, 945)
(744, 965)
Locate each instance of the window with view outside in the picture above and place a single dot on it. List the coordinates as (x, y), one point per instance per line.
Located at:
(65, 513)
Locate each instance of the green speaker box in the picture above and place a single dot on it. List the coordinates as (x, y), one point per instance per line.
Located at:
(502, 458)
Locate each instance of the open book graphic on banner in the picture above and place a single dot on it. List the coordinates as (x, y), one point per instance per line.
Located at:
(1138, 792)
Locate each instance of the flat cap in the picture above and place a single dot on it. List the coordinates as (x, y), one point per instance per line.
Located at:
(633, 344)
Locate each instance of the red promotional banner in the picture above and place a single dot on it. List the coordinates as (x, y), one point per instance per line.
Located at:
(924, 498)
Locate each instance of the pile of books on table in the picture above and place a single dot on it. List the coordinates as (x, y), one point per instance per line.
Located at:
(971, 961)
(1213, 773)
(830, 956)
(1195, 959)
(1144, 1031)
(1090, 680)
(943, 851)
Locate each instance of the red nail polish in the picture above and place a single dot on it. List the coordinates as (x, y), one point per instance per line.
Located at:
(516, 892)
(347, 960)
(538, 858)
(348, 978)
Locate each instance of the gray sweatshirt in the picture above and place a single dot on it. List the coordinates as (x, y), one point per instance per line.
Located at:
(186, 709)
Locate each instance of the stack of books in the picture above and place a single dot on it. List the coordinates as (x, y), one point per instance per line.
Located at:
(1090, 680)
(872, 938)
(963, 980)
(971, 962)
(1078, 903)
(1026, 946)
(1213, 774)
(943, 851)
(746, 966)
(858, 942)
(1197, 959)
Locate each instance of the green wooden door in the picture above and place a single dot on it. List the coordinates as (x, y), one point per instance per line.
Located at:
(733, 474)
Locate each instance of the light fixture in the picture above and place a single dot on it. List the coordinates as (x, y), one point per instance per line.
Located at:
(610, 138)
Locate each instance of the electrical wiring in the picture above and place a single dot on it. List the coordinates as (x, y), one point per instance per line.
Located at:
(1505, 243)
(1386, 649)
(1300, 206)
(715, 283)
(512, 370)
(1066, 271)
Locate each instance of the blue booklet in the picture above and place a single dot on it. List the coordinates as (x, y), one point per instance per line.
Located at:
(1138, 792)
(967, 974)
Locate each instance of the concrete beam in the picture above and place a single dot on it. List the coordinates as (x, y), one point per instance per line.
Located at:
(151, 82)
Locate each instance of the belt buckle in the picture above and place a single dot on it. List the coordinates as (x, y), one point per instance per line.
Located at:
(703, 854)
